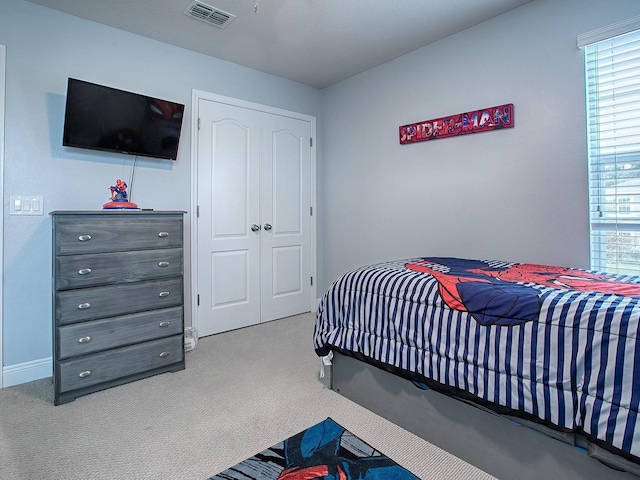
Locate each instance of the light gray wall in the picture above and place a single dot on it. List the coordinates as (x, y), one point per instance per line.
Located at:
(44, 48)
(518, 194)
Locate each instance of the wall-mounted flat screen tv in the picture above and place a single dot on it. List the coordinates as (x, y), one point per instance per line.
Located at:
(104, 118)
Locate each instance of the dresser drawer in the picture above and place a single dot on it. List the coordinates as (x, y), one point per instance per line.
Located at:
(102, 367)
(95, 234)
(99, 302)
(96, 335)
(74, 271)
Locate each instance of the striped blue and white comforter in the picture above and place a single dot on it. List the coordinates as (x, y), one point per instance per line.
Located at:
(575, 364)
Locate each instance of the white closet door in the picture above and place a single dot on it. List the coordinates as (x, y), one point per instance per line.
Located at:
(285, 204)
(228, 269)
(253, 241)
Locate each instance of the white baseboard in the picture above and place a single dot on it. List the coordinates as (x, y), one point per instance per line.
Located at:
(26, 372)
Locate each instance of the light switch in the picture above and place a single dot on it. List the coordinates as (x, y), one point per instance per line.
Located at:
(26, 205)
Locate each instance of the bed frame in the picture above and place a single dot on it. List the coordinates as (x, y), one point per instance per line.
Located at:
(506, 447)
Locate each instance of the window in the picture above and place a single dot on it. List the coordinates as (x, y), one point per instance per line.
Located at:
(624, 205)
(613, 129)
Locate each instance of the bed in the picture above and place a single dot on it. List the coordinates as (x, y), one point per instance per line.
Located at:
(553, 346)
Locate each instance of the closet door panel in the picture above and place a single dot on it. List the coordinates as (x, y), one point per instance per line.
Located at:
(285, 203)
(228, 270)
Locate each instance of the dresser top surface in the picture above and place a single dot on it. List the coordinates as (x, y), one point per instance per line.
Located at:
(117, 212)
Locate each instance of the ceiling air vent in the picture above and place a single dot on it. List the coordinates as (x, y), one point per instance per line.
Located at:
(209, 14)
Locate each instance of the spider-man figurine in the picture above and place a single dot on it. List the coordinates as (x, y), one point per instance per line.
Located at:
(119, 198)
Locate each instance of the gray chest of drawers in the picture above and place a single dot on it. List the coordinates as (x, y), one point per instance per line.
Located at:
(117, 298)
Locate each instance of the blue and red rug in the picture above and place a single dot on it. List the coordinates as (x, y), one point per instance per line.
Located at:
(325, 451)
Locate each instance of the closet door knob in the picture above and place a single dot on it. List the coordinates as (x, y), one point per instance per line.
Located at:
(267, 227)
(255, 228)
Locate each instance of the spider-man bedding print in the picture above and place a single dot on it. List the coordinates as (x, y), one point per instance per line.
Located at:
(551, 343)
(497, 295)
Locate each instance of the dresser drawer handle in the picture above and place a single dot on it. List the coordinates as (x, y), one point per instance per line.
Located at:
(163, 294)
(164, 354)
(83, 306)
(84, 238)
(163, 234)
(164, 324)
(84, 374)
(84, 271)
(84, 339)
(163, 264)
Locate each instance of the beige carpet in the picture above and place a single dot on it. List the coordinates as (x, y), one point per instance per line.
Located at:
(241, 392)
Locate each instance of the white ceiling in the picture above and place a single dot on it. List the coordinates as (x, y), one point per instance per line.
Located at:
(315, 42)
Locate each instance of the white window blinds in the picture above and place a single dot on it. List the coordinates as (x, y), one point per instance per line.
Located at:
(613, 127)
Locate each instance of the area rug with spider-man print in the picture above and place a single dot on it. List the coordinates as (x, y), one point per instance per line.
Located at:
(324, 451)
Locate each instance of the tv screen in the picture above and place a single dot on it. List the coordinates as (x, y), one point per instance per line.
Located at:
(104, 118)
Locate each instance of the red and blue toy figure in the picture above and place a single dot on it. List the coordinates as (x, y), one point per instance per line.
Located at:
(119, 198)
